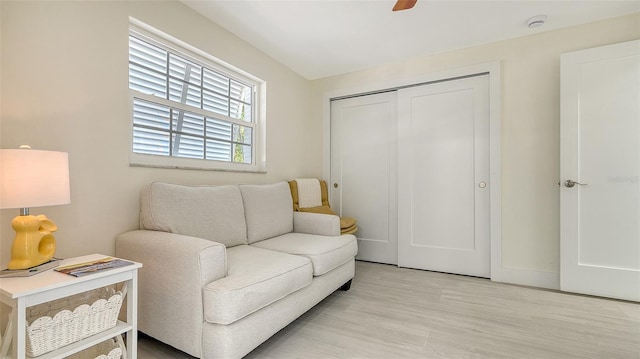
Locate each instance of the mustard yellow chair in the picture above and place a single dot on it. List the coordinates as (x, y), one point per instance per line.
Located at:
(348, 225)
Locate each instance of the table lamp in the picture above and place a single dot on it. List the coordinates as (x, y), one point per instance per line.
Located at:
(31, 178)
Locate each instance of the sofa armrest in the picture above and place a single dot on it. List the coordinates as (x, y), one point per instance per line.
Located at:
(315, 223)
(176, 268)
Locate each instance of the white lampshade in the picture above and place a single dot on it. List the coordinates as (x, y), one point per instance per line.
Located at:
(32, 178)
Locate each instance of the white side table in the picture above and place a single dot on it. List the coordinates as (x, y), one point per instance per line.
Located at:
(23, 292)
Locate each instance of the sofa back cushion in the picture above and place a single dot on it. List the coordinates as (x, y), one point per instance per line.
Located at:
(268, 210)
(215, 213)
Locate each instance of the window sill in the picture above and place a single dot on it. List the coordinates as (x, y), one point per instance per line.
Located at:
(151, 161)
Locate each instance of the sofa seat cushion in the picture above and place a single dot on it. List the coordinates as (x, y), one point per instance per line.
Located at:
(325, 253)
(255, 278)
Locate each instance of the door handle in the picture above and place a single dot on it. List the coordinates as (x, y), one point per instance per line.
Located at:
(571, 183)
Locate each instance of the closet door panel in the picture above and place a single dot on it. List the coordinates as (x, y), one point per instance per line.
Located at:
(443, 172)
(363, 175)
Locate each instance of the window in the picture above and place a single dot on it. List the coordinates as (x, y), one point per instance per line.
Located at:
(190, 112)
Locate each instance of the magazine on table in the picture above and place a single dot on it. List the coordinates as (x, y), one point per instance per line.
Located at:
(88, 268)
(30, 271)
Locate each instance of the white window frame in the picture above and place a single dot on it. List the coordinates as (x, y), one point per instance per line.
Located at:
(258, 163)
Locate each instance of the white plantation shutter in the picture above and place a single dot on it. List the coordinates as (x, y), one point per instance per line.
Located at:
(185, 108)
(151, 128)
(147, 66)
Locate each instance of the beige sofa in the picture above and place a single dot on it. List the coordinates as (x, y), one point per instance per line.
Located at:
(226, 267)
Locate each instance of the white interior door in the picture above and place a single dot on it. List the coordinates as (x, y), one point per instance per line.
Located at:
(600, 148)
(443, 177)
(363, 171)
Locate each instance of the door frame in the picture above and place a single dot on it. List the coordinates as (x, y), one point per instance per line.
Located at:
(490, 68)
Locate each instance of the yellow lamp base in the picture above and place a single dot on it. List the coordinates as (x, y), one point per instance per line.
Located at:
(34, 244)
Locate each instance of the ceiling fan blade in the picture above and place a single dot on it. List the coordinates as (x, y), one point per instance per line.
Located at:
(404, 5)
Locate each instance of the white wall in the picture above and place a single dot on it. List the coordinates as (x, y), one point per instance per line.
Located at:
(530, 70)
(64, 86)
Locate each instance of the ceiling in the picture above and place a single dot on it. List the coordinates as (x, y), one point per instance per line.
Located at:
(321, 38)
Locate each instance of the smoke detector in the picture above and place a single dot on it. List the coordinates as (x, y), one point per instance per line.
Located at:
(536, 21)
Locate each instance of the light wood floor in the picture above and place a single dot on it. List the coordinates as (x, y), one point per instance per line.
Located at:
(394, 312)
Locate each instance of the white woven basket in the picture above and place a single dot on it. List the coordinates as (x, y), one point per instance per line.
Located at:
(55, 324)
(106, 350)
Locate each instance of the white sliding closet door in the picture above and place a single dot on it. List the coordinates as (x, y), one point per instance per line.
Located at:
(443, 177)
(363, 171)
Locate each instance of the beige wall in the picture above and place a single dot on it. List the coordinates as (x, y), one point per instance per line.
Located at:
(64, 87)
(530, 69)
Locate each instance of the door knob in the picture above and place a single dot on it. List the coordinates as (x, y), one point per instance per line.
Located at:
(335, 185)
(571, 183)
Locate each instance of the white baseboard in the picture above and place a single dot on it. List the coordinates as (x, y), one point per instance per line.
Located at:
(534, 278)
